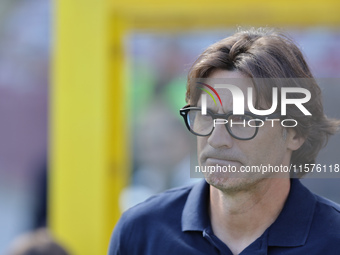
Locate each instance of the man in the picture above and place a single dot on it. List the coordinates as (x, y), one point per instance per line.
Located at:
(238, 212)
(38, 242)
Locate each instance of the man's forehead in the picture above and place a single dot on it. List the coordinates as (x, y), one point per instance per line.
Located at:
(227, 93)
(220, 89)
(219, 84)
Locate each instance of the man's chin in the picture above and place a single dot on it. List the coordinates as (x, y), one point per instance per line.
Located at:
(231, 182)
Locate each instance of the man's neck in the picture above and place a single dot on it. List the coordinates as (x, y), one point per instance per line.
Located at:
(239, 218)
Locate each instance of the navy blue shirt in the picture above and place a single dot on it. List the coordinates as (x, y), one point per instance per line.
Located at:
(177, 222)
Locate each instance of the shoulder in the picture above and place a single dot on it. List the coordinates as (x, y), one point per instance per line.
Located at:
(327, 210)
(330, 205)
(142, 221)
(158, 204)
(326, 221)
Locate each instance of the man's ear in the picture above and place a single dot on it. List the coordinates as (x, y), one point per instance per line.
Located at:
(294, 141)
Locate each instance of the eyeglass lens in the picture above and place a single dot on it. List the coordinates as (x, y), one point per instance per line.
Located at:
(240, 126)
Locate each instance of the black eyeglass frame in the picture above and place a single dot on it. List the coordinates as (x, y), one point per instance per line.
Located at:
(185, 110)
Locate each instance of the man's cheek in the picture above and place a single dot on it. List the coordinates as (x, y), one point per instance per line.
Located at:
(201, 143)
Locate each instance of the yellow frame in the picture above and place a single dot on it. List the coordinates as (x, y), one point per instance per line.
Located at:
(89, 145)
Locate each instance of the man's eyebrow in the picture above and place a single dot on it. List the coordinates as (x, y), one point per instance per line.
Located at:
(213, 110)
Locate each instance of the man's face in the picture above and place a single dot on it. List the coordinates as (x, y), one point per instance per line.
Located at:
(270, 145)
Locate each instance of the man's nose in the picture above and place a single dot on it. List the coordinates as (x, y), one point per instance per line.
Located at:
(220, 137)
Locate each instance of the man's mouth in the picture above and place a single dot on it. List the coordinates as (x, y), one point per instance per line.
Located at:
(221, 162)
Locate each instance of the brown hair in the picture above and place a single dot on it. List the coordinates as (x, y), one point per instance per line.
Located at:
(38, 242)
(264, 53)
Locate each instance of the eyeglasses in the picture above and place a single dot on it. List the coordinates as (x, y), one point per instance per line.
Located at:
(241, 127)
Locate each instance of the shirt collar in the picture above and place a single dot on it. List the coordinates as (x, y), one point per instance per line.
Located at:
(195, 216)
(290, 229)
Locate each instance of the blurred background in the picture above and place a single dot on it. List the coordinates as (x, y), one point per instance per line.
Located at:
(89, 97)
(25, 37)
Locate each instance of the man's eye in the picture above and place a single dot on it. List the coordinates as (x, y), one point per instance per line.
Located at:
(240, 118)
